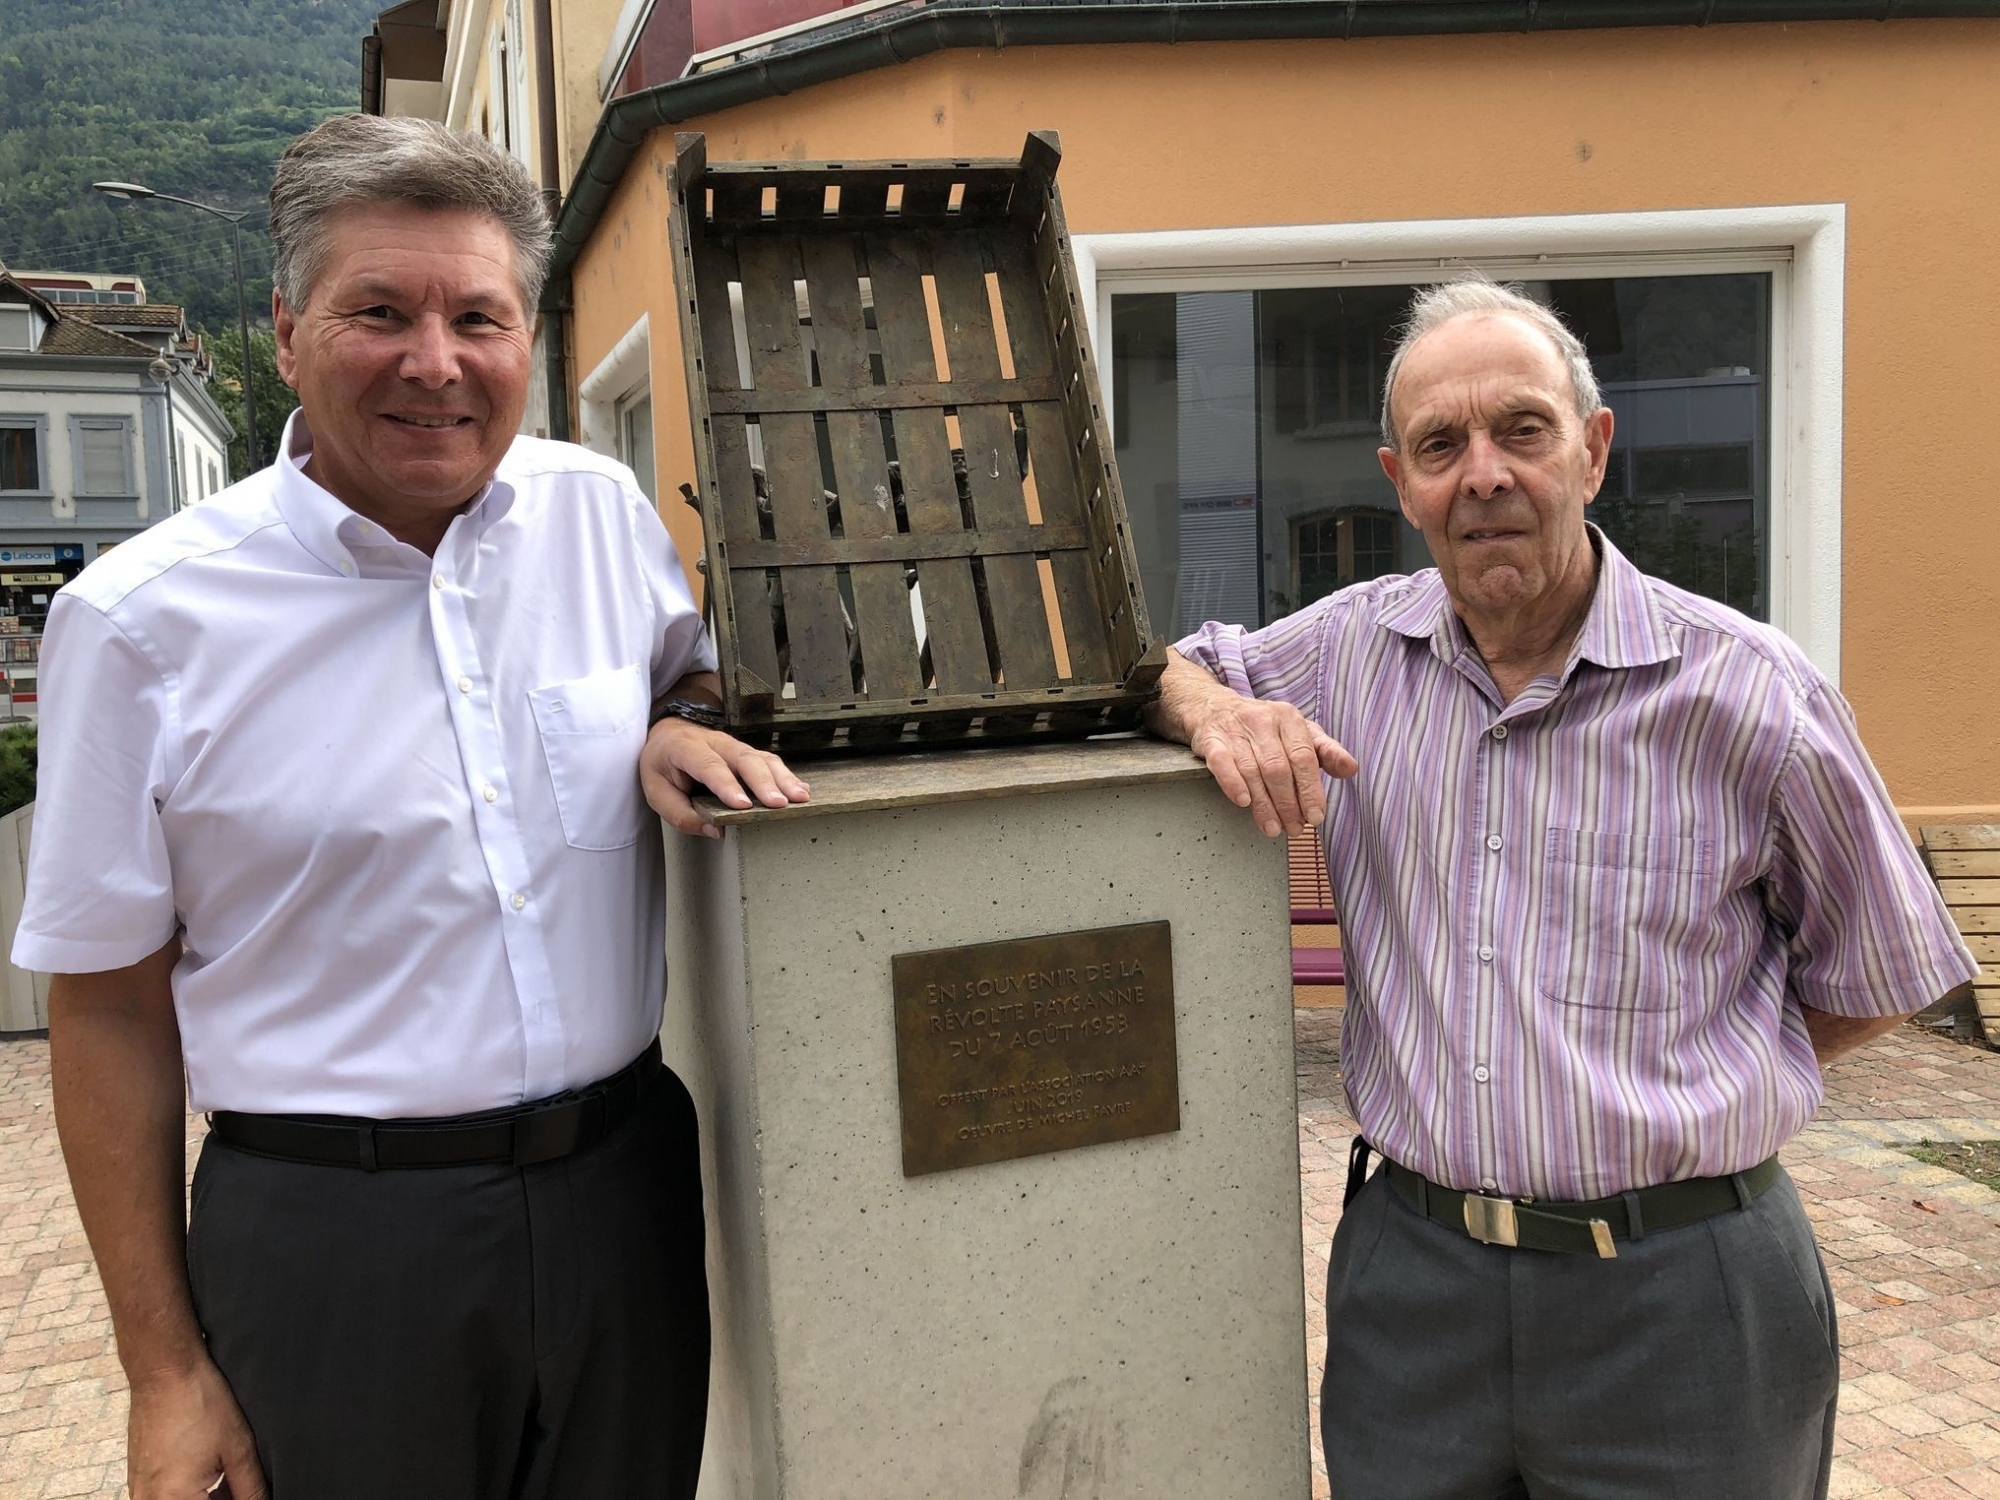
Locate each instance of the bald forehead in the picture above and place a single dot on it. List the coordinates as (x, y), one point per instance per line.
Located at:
(1481, 346)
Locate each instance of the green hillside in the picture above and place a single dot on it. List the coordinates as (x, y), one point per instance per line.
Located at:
(195, 97)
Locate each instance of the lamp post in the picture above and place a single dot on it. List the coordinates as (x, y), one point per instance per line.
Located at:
(131, 191)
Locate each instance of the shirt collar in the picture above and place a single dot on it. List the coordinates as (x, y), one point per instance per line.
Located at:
(331, 531)
(1623, 628)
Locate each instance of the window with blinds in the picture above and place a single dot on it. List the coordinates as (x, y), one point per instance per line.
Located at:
(103, 456)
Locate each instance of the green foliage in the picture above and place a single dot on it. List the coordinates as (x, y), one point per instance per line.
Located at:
(1669, 541)
(274, 398)
(17, 766)
(196, 100)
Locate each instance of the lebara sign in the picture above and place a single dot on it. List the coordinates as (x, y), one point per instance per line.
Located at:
(42, 556)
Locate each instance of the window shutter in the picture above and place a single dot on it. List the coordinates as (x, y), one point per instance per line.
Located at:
(103, 456)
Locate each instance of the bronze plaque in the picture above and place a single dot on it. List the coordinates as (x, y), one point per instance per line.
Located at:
(1036, 1044)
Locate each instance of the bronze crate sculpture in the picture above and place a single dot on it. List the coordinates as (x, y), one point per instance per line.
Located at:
(914, 529)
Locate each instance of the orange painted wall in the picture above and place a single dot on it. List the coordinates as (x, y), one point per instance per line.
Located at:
(1900, 121)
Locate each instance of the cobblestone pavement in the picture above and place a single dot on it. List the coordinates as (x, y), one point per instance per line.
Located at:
(1913, 1252)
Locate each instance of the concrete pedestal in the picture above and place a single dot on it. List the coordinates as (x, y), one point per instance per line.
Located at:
(1113, 1320)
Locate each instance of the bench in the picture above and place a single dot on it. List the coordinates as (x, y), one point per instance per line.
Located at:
(1312, 906)
(1965, 862)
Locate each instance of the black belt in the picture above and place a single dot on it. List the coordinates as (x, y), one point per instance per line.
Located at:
(1587, 1228)
(514, 1137)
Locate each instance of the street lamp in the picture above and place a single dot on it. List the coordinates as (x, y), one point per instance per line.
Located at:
(131, 191)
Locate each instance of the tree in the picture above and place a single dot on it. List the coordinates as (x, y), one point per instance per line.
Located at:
(197, 100)
(274, 398)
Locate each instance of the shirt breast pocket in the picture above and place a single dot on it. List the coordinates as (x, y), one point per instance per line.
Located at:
(592, 730)
(1619, 915)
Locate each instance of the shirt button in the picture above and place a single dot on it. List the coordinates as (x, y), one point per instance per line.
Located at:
(1499, 731)
(1488, 1183)
(1493, 842)
(346, 566)
(518, 900)
(437, 580)
(492, 794)
(1481, 1074)
(465, 684)
(1485, 955)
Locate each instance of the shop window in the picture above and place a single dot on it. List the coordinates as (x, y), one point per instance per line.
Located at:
(21, 465)
(103, 450)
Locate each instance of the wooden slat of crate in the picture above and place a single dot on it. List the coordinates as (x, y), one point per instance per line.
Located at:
(864, 190)
(923, 452)
(1051, 463)
(1082, 407)
(815, 629)
(745, 594)
(986, 432)
(883, 398)
(861, 468)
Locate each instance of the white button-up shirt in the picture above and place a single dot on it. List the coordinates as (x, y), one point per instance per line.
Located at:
(392, 799)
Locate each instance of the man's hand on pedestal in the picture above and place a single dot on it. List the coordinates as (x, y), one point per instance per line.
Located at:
(681, 756)
(1265, 755)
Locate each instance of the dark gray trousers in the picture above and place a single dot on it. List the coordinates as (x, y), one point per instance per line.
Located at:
(465, 1333)
(1701, 1364)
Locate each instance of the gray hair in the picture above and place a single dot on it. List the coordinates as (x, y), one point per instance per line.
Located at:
(1471, 295)
(352, 160)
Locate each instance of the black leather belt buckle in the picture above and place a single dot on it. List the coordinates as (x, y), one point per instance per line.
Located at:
(547, 1134)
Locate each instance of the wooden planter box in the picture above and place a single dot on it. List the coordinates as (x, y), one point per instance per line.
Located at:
(914, 529)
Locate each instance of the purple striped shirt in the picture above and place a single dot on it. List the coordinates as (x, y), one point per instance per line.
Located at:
(1579, 926)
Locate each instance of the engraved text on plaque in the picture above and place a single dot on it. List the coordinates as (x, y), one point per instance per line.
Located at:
(1035, 1044)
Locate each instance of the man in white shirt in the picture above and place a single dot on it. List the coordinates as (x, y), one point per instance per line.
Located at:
(341, 814)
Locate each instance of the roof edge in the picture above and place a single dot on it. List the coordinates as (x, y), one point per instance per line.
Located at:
(625, 123)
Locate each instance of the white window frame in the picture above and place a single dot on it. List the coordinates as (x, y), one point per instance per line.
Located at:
(102, 422)
(615, 378)
(1802, 246)
(624, 406)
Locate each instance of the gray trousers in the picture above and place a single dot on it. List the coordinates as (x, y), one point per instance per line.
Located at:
(1703, 1362)
(465, 1333)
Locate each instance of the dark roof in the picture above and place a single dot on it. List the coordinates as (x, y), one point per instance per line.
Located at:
(74, 336)
(878, 39)
(125, 315)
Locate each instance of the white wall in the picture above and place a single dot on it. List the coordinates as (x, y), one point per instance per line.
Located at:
(205, 445)
(83, 393)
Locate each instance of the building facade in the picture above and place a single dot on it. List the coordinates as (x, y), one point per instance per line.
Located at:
(1766, 233)
(106, 426)
(1760, 216)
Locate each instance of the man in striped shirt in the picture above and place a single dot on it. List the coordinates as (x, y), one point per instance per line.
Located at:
(1615, 877)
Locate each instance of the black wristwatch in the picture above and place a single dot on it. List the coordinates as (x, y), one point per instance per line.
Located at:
(705, 714)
